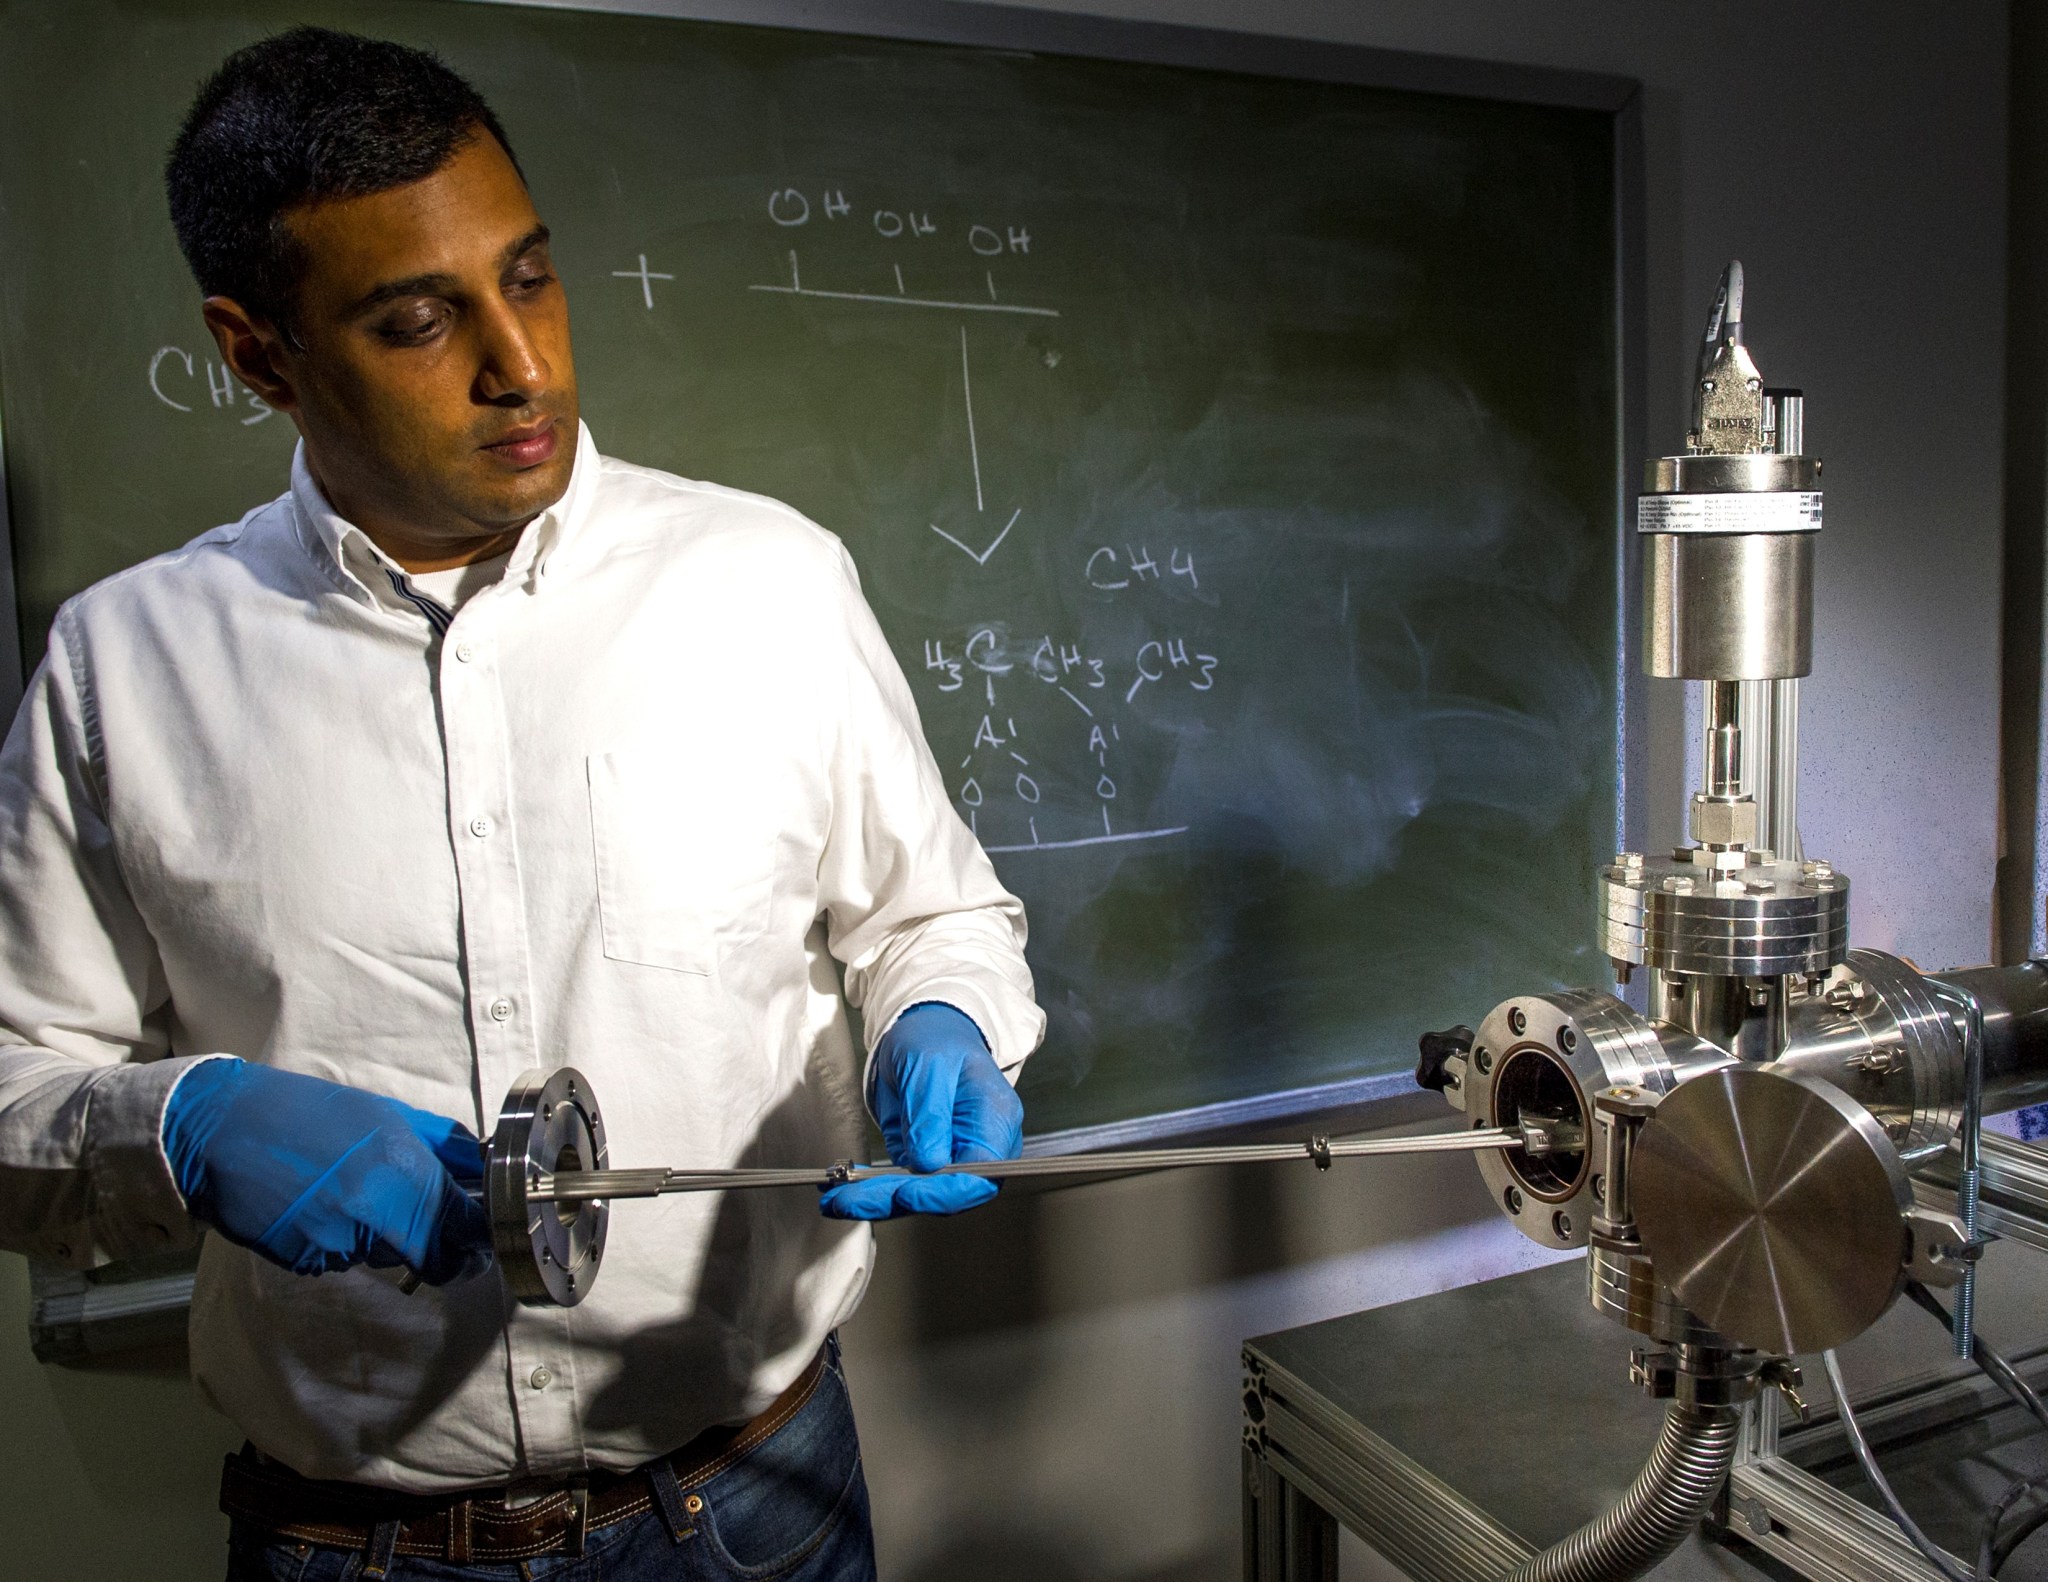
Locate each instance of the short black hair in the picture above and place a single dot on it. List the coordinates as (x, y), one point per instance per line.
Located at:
(302, 117)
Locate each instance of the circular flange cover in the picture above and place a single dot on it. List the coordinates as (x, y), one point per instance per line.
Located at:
(549, 1252)
(1772, 1204)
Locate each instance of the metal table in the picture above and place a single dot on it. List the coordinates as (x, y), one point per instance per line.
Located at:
(1456, 1433)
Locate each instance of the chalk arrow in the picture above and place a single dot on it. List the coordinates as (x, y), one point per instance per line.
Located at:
(982, 558)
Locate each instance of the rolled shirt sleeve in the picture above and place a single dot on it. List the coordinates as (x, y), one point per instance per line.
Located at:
(83, 1008)
(913, 907)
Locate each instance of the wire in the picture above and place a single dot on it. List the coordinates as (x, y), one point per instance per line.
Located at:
(1992, 1551)
(1937, 1557)
(2002, 1373)
(2030, 1524)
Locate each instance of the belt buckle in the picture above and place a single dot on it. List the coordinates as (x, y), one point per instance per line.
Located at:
(579, 1517)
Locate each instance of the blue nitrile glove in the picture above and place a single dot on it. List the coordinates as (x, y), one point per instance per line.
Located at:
(317, 1176)
(938, 1098)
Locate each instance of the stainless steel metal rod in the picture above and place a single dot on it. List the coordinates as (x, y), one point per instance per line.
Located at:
(579, 1186)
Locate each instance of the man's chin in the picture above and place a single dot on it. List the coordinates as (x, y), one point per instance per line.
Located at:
(521, 496)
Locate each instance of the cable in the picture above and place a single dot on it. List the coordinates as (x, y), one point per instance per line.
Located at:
(2001, 1373)
(1937, 1557)
(1992, 1552)
(2028, 1525)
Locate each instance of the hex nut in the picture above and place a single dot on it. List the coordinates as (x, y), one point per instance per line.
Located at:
(1718, 823)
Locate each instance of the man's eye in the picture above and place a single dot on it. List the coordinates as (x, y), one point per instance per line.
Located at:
(530, 284)
(411, 329)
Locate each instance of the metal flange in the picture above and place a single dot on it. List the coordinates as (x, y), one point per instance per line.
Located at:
(1545, 1056)
(549, 1251)
(1774, 1206)
(1764, 919)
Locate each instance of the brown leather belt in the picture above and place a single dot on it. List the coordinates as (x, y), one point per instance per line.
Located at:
(480, 1526)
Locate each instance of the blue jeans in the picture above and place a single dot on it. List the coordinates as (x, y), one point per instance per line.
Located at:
(795, 1510)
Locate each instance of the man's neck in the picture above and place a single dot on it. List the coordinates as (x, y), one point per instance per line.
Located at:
(412, 553)
(445, 557)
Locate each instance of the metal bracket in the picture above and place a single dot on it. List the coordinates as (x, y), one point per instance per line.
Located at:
(1939, 1247)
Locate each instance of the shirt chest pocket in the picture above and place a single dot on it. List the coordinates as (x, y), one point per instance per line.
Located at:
(685, 856)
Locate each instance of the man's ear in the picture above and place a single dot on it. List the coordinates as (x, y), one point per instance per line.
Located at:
(254, 348)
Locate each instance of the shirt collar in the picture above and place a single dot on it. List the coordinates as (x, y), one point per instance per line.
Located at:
(365, 569)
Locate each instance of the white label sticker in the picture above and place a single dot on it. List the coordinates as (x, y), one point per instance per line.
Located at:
(1786, 512)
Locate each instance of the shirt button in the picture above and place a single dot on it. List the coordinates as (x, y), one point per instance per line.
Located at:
(465, 652)
(501, 1010)
(540, 1378)
(479, 826)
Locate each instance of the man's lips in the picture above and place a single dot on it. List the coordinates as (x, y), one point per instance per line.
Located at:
(525, 447)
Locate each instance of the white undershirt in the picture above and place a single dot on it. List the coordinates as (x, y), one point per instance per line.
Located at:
(452, 587)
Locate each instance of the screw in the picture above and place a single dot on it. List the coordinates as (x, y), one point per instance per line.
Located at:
(1567, 1040)
(1598, 1186)
(1514, 1200)
(1561, 1222)
(1679, 884)
(1518, 1024)
(1483, 1059)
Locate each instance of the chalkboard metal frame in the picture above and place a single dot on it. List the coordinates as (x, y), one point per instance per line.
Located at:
(1362, 1102)
(1387, 1099)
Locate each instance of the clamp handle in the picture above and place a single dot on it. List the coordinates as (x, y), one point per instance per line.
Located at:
(1436, 1048)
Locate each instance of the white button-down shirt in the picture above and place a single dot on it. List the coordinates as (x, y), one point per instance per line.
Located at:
(621, 811)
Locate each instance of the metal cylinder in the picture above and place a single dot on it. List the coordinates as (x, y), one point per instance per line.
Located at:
(1728, 606)
(2015, 1005)
(1785, 420)
(1721, 771)
(1778, 776)
(1888, 1037)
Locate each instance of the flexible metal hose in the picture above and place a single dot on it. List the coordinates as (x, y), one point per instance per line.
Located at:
(1665, 1502)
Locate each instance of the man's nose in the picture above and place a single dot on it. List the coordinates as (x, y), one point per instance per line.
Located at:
(513, 371)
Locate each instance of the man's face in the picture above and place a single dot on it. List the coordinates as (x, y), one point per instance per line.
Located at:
(433, 380)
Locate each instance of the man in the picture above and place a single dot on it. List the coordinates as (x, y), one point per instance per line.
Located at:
(477, 751)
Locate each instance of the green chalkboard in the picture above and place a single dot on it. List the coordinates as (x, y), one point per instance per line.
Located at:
(1231, 460)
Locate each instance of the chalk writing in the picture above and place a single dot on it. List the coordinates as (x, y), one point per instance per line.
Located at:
(900, 298)
(979, 556)
(1081, 766)
(176, 377)
(1058, 739)
(646, 277)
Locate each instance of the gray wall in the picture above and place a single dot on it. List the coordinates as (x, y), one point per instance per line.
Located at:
(1048, 1390)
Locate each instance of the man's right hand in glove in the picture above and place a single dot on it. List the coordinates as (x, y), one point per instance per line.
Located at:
(316, 1176)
